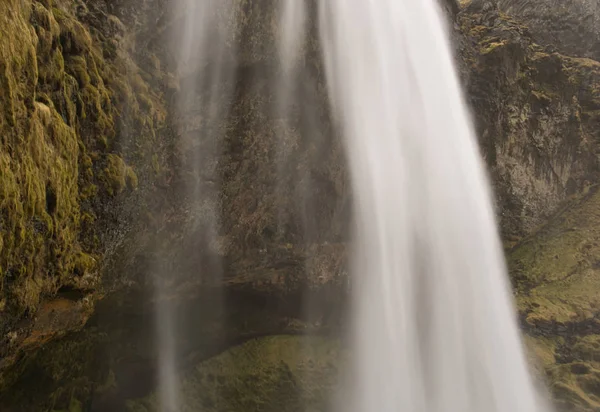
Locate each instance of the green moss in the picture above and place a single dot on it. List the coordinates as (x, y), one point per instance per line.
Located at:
(58, 376)
(478, 31)
(84, 263)
(587, 349)
(542, 97)
(542, 351)
(574, 384)
(131, 178)
(278, 373)
(114, 174)
(556, 269)
(46, 28)
(78, 69)
(75, 39)
(88, 192)
(62, 105)
(556, 272)
(39, 198)
(487, 48)
(51, 122)
(74, 406)
(156, 164)
(538, 55)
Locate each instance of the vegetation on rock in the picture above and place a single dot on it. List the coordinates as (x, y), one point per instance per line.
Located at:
(557, 279)
(277, 373)
(572, 27)
(536, 113)
(83, 136)
(64, 141)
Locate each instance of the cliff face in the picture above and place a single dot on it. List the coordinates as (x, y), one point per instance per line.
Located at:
(273, 200)
(570, 27)
(534, 93)
(100, 175)
(536, 112)
(81, 131)
(556, 278)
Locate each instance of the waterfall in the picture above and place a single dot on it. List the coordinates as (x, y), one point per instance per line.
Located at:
(205, 68)
(434, 324)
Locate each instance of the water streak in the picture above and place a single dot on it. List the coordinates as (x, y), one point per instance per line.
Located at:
(290, 35)
(205, 68)
(168, 388)
(435, 326)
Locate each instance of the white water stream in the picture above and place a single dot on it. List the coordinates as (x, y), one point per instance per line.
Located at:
(434, 324)
(435, 328)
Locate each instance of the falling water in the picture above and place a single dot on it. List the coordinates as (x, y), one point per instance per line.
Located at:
(435, 327)
(168, 384)
(205, 69)
(290, 35)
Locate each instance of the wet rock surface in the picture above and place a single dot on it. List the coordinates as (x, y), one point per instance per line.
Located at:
(557, 281)
(535, 106)
(571, 27)
(535, 111)
(276, 373)
(77, 325)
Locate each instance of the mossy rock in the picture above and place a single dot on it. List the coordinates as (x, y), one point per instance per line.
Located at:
(556, 270)
(78, 132)
(74, 406)
(117, 176)
(576, 386)
(277, 373)
(58, 377)
(557, 278)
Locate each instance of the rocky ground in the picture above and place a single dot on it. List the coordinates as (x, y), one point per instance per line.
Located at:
(95, 165)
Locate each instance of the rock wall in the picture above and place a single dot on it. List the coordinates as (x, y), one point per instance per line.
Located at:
(81, 131)
(304, 374)
(277, 205)
(100, 175)
(570, 27)
(536, 112)
(533, 83)
(556, 279)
